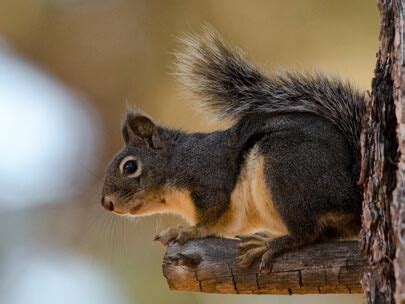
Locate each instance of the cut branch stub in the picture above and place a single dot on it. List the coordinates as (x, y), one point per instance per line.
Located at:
(207, 265)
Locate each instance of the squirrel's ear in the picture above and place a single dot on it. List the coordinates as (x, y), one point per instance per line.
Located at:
(140, 127)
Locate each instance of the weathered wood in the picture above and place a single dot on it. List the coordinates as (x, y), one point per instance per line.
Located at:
(207, 265)
(379, 156)
(398, 204)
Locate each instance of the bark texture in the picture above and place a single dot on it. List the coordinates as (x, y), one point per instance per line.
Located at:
(207, 265)
(379, 155)
(398, 204)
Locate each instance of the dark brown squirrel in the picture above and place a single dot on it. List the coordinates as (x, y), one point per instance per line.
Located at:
(288, 167)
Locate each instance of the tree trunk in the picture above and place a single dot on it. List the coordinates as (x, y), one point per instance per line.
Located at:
(398, 204)
(379, 157)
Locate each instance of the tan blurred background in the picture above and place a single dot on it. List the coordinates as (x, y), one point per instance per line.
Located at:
(68, 68)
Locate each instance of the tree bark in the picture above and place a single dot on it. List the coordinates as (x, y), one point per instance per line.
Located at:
(379, 160)
(207, 265)
(398, 204)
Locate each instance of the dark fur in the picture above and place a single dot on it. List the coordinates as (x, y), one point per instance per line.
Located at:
(306, 127)
(231, 86)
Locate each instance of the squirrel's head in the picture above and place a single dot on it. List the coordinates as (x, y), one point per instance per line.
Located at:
(135, 179)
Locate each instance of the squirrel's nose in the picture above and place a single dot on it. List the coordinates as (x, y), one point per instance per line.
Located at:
(107, 202)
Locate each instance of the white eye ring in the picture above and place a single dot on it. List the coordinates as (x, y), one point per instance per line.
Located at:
(125, 160)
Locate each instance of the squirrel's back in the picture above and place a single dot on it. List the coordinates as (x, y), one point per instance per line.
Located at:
(231, 86)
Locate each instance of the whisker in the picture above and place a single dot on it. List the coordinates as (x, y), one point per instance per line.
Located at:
(110, 230)
(125, 197)
(113, 232)
(124, 240)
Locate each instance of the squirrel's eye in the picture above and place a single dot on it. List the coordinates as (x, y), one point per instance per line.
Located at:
(130, 166)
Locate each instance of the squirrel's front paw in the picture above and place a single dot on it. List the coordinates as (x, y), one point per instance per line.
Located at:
(168, 235)
(180, 234)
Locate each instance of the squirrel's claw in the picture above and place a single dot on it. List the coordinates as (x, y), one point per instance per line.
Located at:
(250, 255)
(256, 236)
(255, 246)
(157, 238)
(248, 245)
(168, 235)
(264, 267)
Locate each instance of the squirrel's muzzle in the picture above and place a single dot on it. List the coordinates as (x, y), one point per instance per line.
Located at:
(108, 202)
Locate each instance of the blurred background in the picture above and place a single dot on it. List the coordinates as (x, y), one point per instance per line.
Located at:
(68, 68)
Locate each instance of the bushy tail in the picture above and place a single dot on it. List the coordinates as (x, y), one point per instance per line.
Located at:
(231, 86)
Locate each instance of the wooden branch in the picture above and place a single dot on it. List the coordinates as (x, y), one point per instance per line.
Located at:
(207, 265)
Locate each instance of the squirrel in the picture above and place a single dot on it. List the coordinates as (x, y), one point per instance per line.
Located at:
(283, 176)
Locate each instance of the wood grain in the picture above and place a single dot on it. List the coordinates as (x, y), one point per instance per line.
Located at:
(207, 265)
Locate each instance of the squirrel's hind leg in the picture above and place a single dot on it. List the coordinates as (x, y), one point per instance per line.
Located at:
(277, 246)
(251, 247)
(265, 247)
